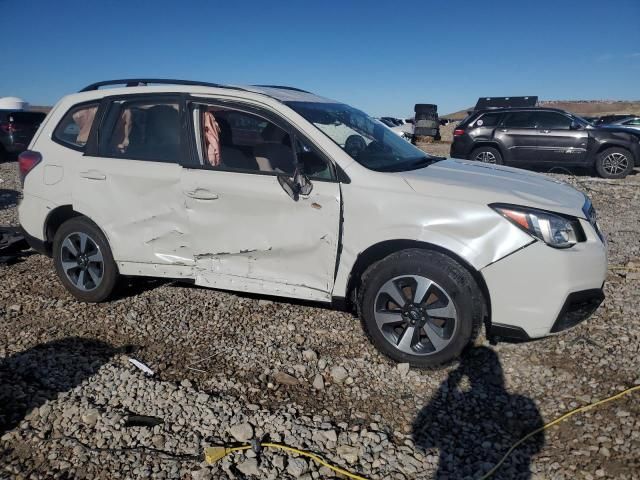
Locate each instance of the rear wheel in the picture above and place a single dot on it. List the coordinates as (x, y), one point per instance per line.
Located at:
(420, 307)
(487, 155)
(614, 162)
(83, 260)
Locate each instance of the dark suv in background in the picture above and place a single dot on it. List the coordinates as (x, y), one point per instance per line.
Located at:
(545, 137)
(17, 128)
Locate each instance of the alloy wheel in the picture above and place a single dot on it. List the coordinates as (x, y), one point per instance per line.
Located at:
(82, 261)
(615, 163)
(415, 315)
(486, 157)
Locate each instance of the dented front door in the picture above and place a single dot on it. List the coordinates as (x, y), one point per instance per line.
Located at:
(248, 235)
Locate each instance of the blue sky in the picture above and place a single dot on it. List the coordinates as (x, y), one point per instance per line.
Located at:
(382, 57)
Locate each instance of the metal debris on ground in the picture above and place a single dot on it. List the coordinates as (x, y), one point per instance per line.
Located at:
(12, 244)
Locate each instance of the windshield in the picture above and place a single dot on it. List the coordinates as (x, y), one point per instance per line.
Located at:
(367, 141)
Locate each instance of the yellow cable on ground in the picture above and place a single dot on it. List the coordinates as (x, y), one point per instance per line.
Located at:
(213, 454)
(554, 422)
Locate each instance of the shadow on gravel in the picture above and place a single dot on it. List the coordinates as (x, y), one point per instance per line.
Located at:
(28, 379)
(472, 421)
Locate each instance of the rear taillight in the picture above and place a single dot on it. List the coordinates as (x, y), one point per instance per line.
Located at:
(458, 131)
(27, 160)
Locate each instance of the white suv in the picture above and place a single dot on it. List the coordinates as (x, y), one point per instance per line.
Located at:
(277, 191)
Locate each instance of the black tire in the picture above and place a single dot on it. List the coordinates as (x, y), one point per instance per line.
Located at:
(72, 229)
(454, 279)
(606, 169)
(490, 152)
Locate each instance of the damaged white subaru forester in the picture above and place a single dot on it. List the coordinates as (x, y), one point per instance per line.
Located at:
(276, 191)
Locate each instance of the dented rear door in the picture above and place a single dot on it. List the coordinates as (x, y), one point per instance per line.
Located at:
(249, 235)
(130, 183)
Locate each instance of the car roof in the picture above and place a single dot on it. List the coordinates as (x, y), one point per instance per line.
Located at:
(138, 85)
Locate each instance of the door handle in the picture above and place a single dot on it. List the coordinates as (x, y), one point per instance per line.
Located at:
(93, 175)
(544, 131)
(201, 194)
(504, 130)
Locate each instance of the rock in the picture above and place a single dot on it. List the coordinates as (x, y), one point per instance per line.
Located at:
(330, 435)
(158, 441)
(242, 432)
(249, 467)
(296, 467)
(318, 382)
(91, 417)
(349, 453)
(285, 379)
(339, 374)
(403, 369)
(310, 356)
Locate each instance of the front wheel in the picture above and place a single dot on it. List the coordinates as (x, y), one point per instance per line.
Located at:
(614, 162)
(83, 260)
(420, 307)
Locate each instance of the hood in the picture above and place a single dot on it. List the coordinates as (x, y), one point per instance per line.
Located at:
(634, 130)
(476, 182)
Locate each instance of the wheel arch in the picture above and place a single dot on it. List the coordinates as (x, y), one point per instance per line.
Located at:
(608, 145)
(54, 220)
(380, 250)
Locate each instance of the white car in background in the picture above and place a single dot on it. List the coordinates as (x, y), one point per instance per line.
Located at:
(277, 191)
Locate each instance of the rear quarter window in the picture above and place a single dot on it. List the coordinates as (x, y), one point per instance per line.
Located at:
(74, 128)
(488, 120)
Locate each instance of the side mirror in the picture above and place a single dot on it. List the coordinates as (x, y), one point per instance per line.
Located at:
(575, 126)
(298, 184)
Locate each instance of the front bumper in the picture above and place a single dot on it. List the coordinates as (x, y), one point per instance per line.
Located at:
(540, 290)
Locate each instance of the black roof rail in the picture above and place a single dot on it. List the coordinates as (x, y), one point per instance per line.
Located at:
(135, 82)
(282, 87)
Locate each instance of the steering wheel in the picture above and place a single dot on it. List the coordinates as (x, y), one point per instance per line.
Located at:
(354, 145)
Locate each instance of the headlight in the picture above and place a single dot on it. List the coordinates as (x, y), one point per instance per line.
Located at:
(555, 230)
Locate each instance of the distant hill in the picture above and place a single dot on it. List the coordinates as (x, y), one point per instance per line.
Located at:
(584, 108)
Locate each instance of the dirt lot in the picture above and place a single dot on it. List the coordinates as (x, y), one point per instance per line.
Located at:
(229, 367)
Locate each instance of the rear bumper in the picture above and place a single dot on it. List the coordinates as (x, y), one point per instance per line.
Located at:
(539, 290)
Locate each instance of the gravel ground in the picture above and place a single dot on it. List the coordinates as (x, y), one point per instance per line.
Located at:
(232, 367)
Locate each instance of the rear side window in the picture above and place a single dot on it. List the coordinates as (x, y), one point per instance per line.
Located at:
(143, 130)
(73, 130)
(519, 120)
(635, 121)
(488, 120)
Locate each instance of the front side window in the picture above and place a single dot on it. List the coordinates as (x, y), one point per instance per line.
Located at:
(238, 140)
(552, 121)
(367, 141)
(75, 126)
(143, 130)
(519, 120)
